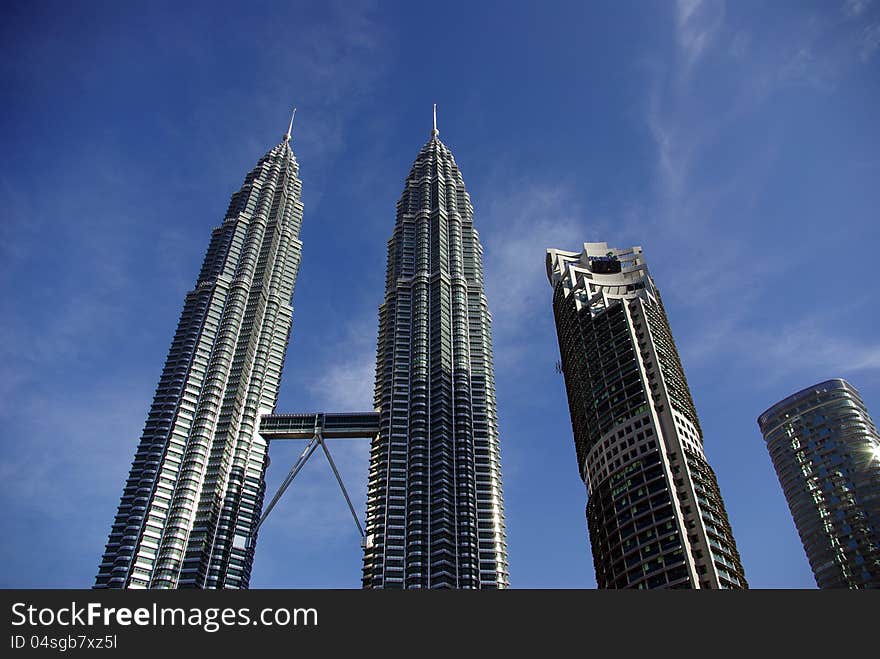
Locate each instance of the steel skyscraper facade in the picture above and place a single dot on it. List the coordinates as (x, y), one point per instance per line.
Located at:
(435, 516)
(194, 493)
(826, 452)
(654, 511)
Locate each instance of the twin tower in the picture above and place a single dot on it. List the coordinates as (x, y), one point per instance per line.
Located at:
(191, 507)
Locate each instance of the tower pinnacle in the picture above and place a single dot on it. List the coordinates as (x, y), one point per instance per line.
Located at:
(435, 132)
(290, 127)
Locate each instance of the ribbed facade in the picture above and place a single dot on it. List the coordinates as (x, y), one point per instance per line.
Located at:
(826, 452)
(654, 511)
(195, 489)
(435, 516)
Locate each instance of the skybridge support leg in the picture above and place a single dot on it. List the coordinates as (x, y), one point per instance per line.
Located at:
(294, 470)
(342, 487)
(316, 441)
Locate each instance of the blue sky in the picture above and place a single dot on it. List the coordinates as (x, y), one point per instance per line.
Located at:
(736, 142)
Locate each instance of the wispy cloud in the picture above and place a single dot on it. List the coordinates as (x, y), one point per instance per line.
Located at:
(704, 208)
(779, 351)
(340, 59)
(520, 220)
(870, 41)
(347, 385)
(854, 8)
(63, 463)
(344, 379)
(65, 437)
(697, 23)
(822, 48)
(69, 310)
(517, 227)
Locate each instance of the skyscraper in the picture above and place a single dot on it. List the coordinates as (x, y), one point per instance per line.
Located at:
(195, 489)
(654, 510)
(434, 505)
(826, 452)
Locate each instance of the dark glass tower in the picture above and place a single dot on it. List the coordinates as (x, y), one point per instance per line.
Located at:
(654, 510)
(826, 452)
(434, 506)
(193, 497)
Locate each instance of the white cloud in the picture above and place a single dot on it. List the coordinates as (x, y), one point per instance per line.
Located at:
(787, 346)
(870, 41)
(697, 23)
(344, 381)
(853, 8)
(62, 442)
(347, 385)
(704, 216)
(821, 48)
(517, 228)
(674, 146)
(341, 60)
(777, 350)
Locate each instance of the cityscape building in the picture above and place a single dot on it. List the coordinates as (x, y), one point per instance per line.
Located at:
(826, 452)
(435, 516)
(192, 500)
(655, 514)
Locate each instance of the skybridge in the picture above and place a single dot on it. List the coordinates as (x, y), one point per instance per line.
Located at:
(317, 428)
(346, 425)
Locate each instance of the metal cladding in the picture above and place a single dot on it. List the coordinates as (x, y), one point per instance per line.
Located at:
(434, 512)
(826, 452)
(655, 514)
(193, 497)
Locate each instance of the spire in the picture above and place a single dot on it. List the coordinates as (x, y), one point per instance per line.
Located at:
(435, 132)
(290, 127)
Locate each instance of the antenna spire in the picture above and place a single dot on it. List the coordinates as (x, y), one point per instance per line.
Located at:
(435, 132)
(290, 127)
